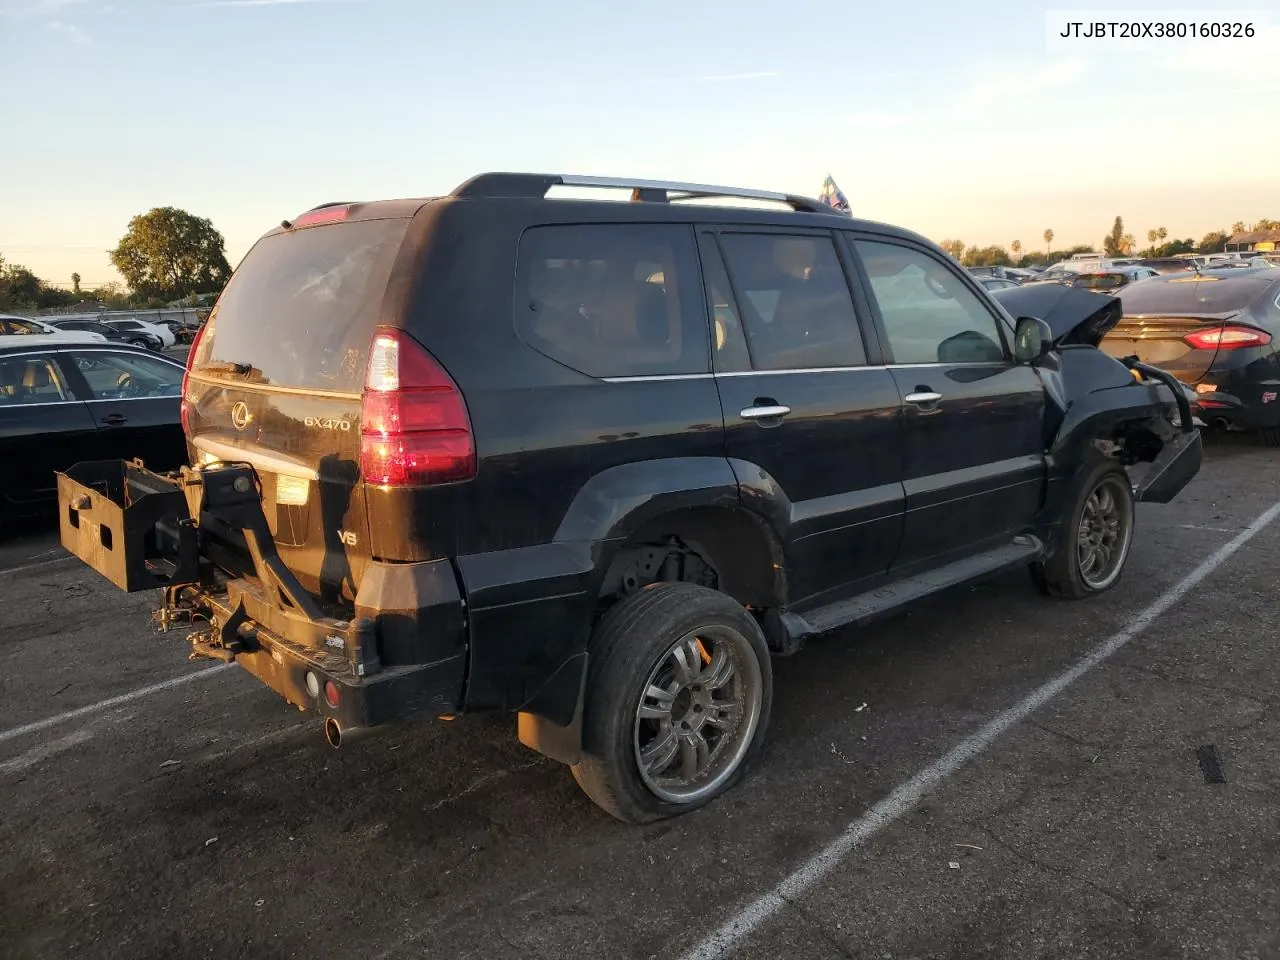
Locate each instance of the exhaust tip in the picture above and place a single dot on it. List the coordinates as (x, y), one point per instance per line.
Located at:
(332, 733)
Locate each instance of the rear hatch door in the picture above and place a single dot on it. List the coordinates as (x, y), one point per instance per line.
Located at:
(276, 379)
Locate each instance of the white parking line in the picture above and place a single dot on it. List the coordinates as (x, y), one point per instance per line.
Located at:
(35, 566)
(908, 794)
(110, 702)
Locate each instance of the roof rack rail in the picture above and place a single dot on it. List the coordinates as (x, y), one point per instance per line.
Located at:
(535, 185)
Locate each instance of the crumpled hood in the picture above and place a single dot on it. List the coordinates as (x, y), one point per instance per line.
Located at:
(1073, 314)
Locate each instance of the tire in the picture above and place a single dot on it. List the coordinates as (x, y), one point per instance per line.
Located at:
(140, 343)
(643, 642)
(1072, 572)
(1271, 436)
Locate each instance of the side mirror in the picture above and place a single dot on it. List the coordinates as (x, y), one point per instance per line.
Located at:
(1032, 340)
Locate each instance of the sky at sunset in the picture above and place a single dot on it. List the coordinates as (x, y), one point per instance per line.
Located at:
(955, 120)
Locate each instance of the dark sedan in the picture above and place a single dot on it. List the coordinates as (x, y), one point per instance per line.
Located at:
(1163, 265)
(1217, 330)
(61, 403)
(110, 332)
(1109, 281)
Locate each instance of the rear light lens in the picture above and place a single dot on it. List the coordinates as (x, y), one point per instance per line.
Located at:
(185, 411)
(1228, 338)
(331, 693)
(414, 427)
(324, 215)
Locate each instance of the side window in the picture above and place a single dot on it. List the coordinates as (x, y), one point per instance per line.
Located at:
(29, 380)
(124, 376)
(930, 316)
(796, 307)
(22, 326)
(613, 300)
(728, 340)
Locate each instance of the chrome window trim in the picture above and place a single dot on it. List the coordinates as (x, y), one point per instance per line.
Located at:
(794, 370)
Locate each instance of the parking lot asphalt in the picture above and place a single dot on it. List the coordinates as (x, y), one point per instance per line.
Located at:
(196, 814)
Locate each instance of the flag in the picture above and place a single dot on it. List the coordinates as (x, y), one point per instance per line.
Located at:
(832, 196)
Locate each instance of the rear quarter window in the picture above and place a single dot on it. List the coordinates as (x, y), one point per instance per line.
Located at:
(613, 300)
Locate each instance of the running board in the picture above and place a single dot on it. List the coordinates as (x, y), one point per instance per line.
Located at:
(887, 599)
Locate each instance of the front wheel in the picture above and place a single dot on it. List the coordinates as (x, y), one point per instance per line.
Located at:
(1096, 536)
(679, 690)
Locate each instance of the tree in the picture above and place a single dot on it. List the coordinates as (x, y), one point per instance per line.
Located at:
(992, 256)
(19, 287)
(1079, 248)
(1048, 240)
(1238, 227)
(1175, 246)
(75, 284)
(168, 253)
(1016, 247)
(1127, 244)
(1214, 242)
(1265, 224)
(953, 247)
(1113, 242)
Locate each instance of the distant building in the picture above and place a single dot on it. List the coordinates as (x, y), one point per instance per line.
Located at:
(1254, 241)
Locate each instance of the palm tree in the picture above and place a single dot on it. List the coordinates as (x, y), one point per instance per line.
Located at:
(1016, 247)
(1048, 241)
(75, 284)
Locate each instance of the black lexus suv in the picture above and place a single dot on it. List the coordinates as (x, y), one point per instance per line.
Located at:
(593, 460)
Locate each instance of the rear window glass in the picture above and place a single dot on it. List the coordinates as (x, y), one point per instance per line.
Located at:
(300, 310)
(1099, 281)
(1193, 295)
(613, 300)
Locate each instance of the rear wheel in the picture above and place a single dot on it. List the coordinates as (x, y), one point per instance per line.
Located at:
(679, 691)
(1096, 536)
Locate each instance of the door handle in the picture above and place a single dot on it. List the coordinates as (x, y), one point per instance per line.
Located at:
(115, 419)
(923, 397)
(764, 412)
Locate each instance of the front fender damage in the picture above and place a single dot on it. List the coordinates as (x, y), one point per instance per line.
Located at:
(1121, 408)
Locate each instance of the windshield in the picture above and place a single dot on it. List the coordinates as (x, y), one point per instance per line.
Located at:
(1099, 281)
(301, 308)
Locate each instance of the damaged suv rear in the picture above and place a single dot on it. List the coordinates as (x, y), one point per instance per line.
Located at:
(593, 462)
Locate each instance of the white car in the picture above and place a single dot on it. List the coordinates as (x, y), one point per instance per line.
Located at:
(11, 326)
(162, 333)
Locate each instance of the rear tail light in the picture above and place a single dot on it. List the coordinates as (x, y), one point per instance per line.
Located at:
(1227, 338)
(186, 374)
(331, 213)
(414, 428)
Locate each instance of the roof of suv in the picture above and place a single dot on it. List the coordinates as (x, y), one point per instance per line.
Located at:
(655, 198)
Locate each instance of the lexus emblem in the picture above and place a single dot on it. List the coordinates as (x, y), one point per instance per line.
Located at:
(240, 417)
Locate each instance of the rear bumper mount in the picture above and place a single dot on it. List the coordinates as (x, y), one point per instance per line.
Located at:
(143, 530)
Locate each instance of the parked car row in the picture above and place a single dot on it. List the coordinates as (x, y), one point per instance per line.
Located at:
(63, 401)
(131, 330)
